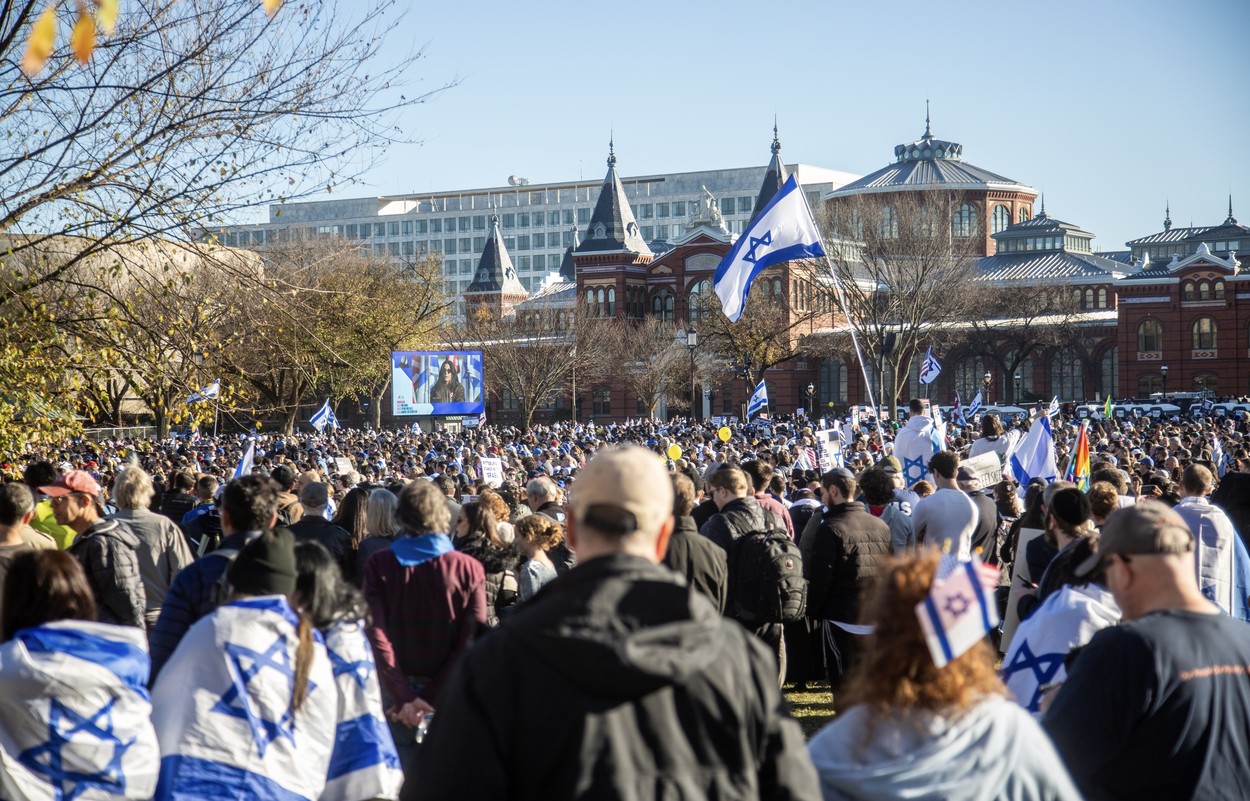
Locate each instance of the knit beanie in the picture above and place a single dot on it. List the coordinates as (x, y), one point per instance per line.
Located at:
(266, 565)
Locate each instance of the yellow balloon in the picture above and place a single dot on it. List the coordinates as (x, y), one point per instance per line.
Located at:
(674, 451)
(724, 433)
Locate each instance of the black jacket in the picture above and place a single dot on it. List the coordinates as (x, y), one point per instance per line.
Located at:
(561, 556)
(739, 516)
(500, 566)
(842, 559)
(704, 565)
(658, 696)
(336, 539)
(1233, 496)
(984, 536)
(108, 553)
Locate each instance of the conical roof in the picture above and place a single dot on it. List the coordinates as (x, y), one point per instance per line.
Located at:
(774, 177)
(613, 228)
(495, 272)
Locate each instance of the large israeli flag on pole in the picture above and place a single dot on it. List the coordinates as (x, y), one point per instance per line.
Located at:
(324, 417)
(759, 401)
(784, 231)
(1034, 457)
(209, 392)
(244, 468)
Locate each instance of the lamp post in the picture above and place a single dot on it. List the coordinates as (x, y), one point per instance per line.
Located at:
(1018, 379)
(1163, 373)
(811, 401)
(692, 342)
(1202, 387)
(987, 378)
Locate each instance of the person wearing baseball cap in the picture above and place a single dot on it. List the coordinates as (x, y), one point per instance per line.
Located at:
(622, 647)
(1159, 706)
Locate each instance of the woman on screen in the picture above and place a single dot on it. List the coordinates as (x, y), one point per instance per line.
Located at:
(448, 388)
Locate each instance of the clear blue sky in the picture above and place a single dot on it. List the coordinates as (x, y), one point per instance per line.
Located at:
(1111, 107)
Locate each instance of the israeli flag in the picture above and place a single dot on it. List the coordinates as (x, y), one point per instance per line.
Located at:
(929, 368)
(758, 402)
(1207, 405)
(783, 231)
(364, 763)
(937, 434)
(958, 611)
(1054, 407)
(974, 408)
(222, 709)
(1034, 457)
(244, 468)
(207, 393)
(75, 720)
(324, 417)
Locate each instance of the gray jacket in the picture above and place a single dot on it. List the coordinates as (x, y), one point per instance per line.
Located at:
(163, 550)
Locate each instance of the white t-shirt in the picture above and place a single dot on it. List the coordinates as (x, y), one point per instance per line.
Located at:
(946, 516)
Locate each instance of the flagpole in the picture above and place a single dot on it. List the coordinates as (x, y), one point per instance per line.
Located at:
(859, 353)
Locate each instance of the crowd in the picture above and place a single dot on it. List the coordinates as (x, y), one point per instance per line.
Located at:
(381, 614)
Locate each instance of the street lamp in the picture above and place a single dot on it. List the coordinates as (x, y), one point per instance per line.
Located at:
(987, 378)
(1018, 379)
(811, 401)
(1163, 372)
(1202, 387)
(692, 342)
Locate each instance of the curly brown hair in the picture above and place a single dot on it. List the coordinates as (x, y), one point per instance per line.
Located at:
(896, 673)
(544, 532)
(496, 503)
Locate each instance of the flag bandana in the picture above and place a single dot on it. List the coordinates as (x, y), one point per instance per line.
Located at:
(783, 231)
(75, 720)
(929, 369)
(959, 610)
(364, 763)
(221, 708)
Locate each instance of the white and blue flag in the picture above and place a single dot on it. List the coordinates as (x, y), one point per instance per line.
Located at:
(324, 417)
(75, 720)
(222, 709)
(758, 402)
(364, 763)
(783, 231)
(929, 368)
(244, 467)
(1034, 457)
(959, 610)
(1054, 407)
(937, 434)
(974, 408)
(209, 392)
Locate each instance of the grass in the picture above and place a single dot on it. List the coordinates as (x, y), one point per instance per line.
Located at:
(812, 708)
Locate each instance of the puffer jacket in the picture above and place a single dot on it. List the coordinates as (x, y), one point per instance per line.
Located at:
(108, 553)
(501, 581)
(845, 555)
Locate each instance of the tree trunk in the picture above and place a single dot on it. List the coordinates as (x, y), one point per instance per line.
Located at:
(162, 421)
(375, 414)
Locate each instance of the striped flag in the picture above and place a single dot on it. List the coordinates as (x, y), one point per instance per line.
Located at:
(1054, 407)
(244, 467)
(957, 412)
(929, 368)
(1106, 409)
(324, 417)
(209, 392)
(973, 409)
(959, 610)
(759, 401)
(1079, 467)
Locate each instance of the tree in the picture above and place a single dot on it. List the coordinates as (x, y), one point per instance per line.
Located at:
(649, 361)
(906, 274)
(192, 111)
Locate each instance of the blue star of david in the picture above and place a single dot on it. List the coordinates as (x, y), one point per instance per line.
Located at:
(46, 759)
(1044, 668)
(359, 670)
(920, 469)
(238, 704)
(766, 239)
(957, 605)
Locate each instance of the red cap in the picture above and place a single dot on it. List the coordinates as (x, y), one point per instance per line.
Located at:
(73, 481)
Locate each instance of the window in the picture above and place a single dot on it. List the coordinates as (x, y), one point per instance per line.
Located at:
(1204, 331)
(964, 222)
(662, 306)
(553, 217)
(479, 223)
(1102, 298)
(464, 223)
(1088, 301)
(601, 401)
(889, 224)
(1067, 376)
(1001, 218)
(466, 244)
(695, 300)
(466, 266)
(728, 205)
(648, 232)
(523, 242)
(508, 401)
(583, 216)
(409, 248)
(1206, 382)
(831, 384)
(1218, 289)
(1204, 290)
(1149, 337)
(1149, 384)
(538, 263)
(508, 220)
(645, 211)
(661, 209)
(523, 219)
(479, 244)
(611, 302)
(1109, 373)
(449, 246)
(679, 208)
(857, 225)
(1025, 213)
(1190, 291)
(590, 301)
(776, 287)
(746, 205)
(436, 226)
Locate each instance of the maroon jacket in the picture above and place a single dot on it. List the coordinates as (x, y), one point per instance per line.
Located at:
(422, 618)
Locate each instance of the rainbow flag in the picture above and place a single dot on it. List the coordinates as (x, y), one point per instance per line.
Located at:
(1080, 459)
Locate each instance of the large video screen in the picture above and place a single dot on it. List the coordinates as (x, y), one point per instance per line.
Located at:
(425, 382)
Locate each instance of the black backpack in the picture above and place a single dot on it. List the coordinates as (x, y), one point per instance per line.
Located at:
(766, 583)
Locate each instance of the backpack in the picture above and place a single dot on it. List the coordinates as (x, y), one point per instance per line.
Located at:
(766, 583)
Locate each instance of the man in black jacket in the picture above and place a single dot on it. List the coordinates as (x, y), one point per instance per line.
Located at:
(694, 556)
(985, 535)
(658, 695)
(313, 526)
(840, 561)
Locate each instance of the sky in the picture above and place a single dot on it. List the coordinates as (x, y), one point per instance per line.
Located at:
(1112, 108)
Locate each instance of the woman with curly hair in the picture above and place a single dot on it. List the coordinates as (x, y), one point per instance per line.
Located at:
(914, 730)
(535, 535)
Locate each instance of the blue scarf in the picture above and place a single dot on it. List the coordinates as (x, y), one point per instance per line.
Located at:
(419, 549)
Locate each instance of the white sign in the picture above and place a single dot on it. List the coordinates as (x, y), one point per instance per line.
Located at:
(492, 471)
(987, 467)
(343, 465)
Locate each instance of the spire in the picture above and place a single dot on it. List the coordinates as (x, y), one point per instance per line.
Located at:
(613, 227)
(927, 133)
(1042, 216)
(1231, 219)
(1167, 216)
(495, 272)
(611, 149)
(774, 176)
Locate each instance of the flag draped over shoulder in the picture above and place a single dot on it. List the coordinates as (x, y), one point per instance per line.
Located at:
(759, 400)
(364, 763)
(783, 231)
(75, 720)
(222, 709)
(1034, 457)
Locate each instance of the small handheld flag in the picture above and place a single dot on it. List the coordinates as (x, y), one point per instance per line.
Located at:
(324, 417)
(759, 401)
(1054, 407)
(973, 409)
(209, 392)
(783, 231)
(929, 368)
(957, 412)
(1106, 409)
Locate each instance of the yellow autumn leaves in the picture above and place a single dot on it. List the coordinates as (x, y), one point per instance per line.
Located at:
(83, 37)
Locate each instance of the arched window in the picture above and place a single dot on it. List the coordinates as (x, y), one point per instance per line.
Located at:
(590, 299)
(1190, 291)
(1149, 337)
(1149, 384)
(1067, 376)
(1102, 298)
(1204, 331)
(1207, 383)
(964, 221)
(1204, 290)
(612, 302)
(776, 286)
(1001, 218)
(1088, 303)
(1025, 213)
(662, 306)
(969, 378)
(1109, 373)
(696, 299)
(600, 303)
(1218, 289)
(889, 223)
(830, 385)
